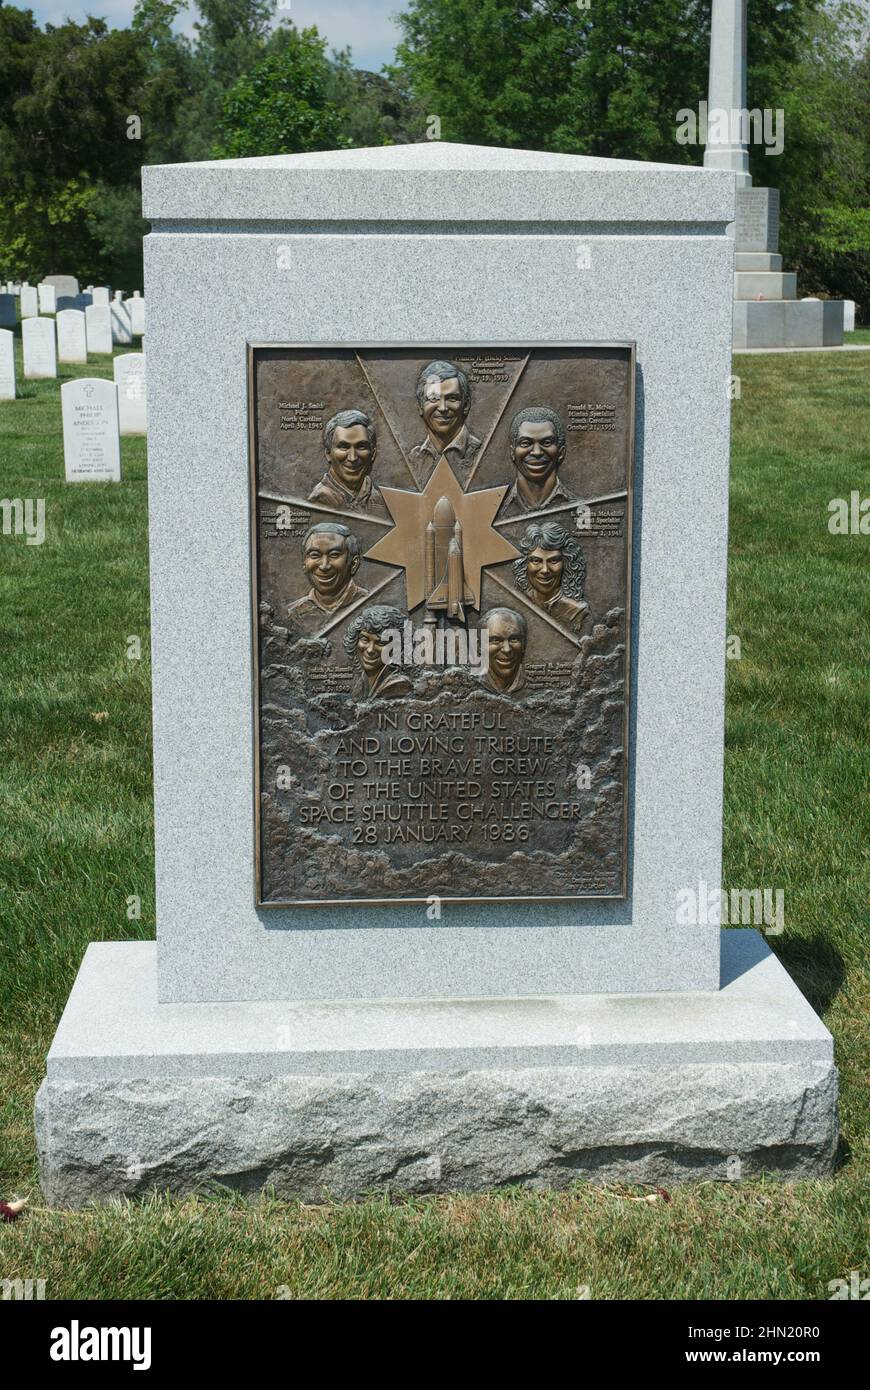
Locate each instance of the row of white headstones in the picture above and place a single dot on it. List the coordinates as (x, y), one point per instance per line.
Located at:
(94, 412)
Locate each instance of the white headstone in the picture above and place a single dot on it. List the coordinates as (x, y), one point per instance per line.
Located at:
(7, 311)
(100, 294)
(7, 365)
(72, 343)
(40, 350)
(47, 298)
(136, 308)
(29, 302)
(129, 369)
(91, 443)
(848, 316)
(98, 325)
(122, 331)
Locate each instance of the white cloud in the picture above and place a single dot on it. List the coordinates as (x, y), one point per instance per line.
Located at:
(367, 26)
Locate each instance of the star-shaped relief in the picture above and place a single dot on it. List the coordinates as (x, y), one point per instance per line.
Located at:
(405, 544)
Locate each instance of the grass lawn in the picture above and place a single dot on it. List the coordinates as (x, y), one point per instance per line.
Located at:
(76, 843)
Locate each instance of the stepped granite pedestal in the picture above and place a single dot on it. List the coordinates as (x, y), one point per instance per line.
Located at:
(336, 1099)
(335, 1001)
(767, 312)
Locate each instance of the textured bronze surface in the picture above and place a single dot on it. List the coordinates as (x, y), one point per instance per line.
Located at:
(441, 557)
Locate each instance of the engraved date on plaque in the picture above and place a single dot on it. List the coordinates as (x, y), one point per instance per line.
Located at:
(441, 540)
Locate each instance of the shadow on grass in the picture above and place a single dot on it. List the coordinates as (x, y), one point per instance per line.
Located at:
(815, 965)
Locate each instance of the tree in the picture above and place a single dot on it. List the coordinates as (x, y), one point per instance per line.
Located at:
(171, 89)
(607, 80)
(283, 106)
(64, 122)
(377, 110)
(824, 172)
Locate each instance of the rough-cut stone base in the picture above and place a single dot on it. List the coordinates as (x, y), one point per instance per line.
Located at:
(338, 1100)
(319, 1136)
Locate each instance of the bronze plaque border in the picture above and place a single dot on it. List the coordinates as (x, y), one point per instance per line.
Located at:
(251, 348)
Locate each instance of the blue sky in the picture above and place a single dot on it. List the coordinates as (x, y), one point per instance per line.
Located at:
(366, 25)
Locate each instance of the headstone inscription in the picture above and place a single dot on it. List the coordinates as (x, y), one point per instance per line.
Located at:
(7, 365)
(40, 348)
(91, 444)
(29, 302)
(98, 327)
(459, 897)
(129, 371)
(8, 317)
(122, 333)
(71, 336)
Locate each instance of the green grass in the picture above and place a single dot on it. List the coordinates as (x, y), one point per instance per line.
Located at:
(76, 843)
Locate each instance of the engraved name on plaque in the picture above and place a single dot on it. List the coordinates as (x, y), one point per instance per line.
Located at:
(441, 561)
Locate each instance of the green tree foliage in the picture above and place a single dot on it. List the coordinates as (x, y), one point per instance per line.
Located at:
(606, 80)
(824, 172)
(64, 122)
(172, 89)
(376, 109)
(232, 37)
(283, 105)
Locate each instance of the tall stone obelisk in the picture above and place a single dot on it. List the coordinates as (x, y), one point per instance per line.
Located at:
(767, 311)
(727, 87)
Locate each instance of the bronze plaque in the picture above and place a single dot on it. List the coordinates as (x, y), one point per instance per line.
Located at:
(441, 555)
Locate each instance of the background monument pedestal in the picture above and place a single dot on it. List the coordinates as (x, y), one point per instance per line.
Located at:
(338, 1048)
(320, 1099)
(767, 312)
